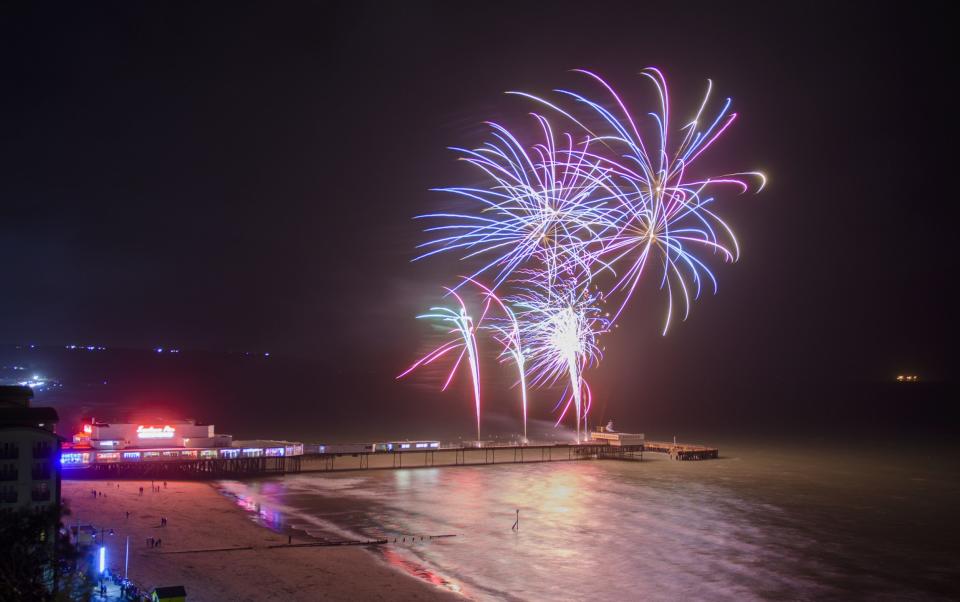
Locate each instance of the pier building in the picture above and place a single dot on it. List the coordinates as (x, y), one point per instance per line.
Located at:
(172, 449)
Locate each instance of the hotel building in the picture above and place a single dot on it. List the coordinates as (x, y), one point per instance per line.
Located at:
(29, 453)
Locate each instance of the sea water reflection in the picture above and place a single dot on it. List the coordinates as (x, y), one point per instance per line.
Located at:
(758, 524)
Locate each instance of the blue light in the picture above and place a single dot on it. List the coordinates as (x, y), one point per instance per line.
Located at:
(103, 558)
(71, 458)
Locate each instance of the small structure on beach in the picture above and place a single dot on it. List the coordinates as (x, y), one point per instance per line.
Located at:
(170, 593)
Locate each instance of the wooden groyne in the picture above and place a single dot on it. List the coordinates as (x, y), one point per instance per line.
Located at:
(323, 543)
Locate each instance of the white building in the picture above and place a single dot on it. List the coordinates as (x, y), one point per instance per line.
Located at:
(29, 453)
(134, 435)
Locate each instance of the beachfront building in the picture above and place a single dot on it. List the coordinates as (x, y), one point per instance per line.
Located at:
(29, 453)
(183, 448)
(136, 435)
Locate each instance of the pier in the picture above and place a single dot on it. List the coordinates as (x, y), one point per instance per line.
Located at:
(499, 454)
(178, 468)
(681, 451)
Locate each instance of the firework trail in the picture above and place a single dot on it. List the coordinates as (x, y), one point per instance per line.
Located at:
(560, 325)
(461, 325)
(573, 220)
(506, 331)
(662, 212)
(548, 204)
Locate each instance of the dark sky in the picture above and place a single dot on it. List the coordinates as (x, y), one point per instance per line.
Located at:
(242, 177)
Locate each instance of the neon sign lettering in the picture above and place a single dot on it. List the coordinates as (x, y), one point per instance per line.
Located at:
(155, 432)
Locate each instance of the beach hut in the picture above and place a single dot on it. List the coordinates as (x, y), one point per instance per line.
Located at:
(171, 593)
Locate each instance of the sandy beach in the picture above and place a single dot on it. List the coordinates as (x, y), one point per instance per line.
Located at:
(198, 517)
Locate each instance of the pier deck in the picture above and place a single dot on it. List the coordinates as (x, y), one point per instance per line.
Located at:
(385, 460)
(505, 454)
(186, 470)
(682, 451)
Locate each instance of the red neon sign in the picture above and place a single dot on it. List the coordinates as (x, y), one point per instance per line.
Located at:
(155, 432)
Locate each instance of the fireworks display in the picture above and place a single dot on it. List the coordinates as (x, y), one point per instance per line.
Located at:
(572, 222)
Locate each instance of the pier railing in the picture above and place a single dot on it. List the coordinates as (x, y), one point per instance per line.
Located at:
(503, 454)
(219, 468)
(238, 468)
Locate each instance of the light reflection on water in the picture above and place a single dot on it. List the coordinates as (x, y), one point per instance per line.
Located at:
(754, 525)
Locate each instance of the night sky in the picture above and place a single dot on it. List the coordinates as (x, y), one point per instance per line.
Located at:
(243, 178)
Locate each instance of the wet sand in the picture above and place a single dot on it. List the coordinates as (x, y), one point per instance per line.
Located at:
(201, 518)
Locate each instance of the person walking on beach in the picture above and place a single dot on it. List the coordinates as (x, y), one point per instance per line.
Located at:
(164, 484)
(141, 491)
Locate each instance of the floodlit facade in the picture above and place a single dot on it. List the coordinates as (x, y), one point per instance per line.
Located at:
(29, 453)
(129, 443)
(133, 435)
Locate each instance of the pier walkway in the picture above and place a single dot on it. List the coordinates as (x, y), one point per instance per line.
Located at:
(241, 468)
(178, 469)
(500, 454)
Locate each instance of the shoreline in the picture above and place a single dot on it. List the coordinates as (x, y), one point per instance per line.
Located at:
(399, 558)
(200, 517)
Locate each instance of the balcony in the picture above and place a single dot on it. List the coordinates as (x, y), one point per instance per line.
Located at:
(9, 452)
(8, 497)
(10, 475)
(41, 472)
(42, 451)
(40, 495)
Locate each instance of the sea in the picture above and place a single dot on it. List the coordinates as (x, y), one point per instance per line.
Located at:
(768, 520)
